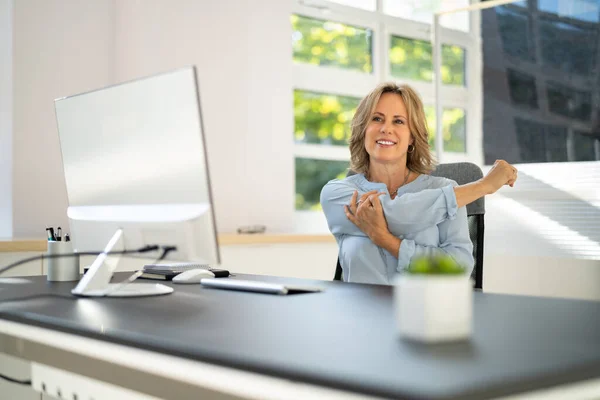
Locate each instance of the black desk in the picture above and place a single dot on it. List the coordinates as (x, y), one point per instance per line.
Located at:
(342, 338)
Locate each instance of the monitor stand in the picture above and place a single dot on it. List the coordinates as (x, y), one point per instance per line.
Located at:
(96, 281)
(128, 290)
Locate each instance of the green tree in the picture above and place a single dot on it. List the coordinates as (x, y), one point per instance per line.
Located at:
(413, 59)
(328, 43)
(311, 176)
(453, 127)
(322, 118)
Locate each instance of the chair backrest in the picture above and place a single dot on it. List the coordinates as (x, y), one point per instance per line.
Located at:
(462, 173)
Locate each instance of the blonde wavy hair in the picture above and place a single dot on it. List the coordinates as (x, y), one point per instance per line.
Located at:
(420, 160)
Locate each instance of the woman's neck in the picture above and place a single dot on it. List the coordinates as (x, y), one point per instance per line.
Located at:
(393, 176)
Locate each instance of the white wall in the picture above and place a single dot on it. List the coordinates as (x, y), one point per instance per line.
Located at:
(270, 166)
(6, 106)
(66, 47)
(244, 73)
(60, 48)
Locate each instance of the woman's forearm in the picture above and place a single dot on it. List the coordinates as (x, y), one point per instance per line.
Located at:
(470, 192)
(502, 173)
(388, 241)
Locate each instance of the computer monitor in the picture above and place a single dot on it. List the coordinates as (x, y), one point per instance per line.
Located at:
(135, 166)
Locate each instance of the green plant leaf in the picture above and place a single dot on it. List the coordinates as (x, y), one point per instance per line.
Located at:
(436, 265)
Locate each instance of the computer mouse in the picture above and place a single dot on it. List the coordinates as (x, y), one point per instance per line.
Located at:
(193, 276)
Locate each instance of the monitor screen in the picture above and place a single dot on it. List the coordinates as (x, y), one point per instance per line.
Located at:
(134, 159)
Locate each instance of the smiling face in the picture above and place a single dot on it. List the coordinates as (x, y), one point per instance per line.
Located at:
(387, 135)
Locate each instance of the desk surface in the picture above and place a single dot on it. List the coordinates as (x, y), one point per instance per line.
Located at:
(342, 338)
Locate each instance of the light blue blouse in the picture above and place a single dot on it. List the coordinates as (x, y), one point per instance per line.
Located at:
(424, 214)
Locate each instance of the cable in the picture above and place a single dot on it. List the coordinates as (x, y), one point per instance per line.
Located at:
(24, 382)
(144, 249)
(166, 250)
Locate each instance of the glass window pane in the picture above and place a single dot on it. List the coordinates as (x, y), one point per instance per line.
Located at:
(369, 5)
(413, 59)
(541, 142)
(583, 147)
(454, 126)
(453, 65)
(515, 30)
(530, 137)
(311, 176)
(556, 144)
(584, 10)
(323, 118)
(568, 102)
(567, 47)
(327, 43)
(430, 117)
(522, 88)
(422, 11)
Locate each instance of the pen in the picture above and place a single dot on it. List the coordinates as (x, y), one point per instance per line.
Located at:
(50, 232)
(59, 234)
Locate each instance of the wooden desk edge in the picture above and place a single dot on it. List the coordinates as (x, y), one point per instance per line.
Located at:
(274, 238)
(20, 245)
(9, 245)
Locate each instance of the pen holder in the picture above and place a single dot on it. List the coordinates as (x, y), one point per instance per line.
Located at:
(62, 268)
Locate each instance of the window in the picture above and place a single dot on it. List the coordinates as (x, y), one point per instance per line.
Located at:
(328, 43)
(569, 102)
(553, 87)
(340, 55)
(413, 59)
(541, 142)
(583, 10)
(369, 5)
(556, 143)
(530, 137)
(569, 48)
(322, 118)
(453, 127)
(311, 176)
(522, 89)
(422, 11)
(515, 31)
(583, 147)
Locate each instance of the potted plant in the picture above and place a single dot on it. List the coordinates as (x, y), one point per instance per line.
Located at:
(433, 300)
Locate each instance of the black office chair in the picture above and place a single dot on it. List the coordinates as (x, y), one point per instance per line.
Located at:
(462, 173)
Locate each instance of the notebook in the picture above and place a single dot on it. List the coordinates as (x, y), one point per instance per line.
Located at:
(161, 276)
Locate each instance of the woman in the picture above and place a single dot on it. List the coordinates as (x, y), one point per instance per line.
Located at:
(392, 210)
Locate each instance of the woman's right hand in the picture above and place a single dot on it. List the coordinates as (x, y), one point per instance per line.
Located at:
(502, 173)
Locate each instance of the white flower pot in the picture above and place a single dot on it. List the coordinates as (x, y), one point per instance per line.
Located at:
(434, 308)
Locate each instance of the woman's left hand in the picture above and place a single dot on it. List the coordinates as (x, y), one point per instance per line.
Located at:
(367, 215)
